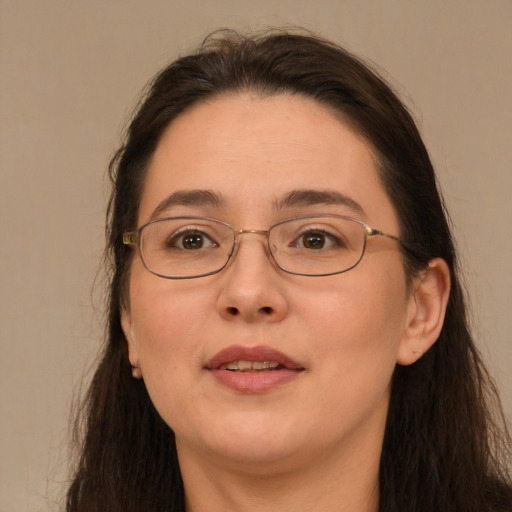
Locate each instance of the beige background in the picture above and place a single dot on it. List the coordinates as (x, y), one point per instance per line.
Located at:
(70, 74)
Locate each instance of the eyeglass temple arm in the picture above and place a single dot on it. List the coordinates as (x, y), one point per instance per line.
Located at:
(131, 238)
(376, 232)
(408, 247)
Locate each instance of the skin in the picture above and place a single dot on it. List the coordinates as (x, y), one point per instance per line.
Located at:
(313, 443)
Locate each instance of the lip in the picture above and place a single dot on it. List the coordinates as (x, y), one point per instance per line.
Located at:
(253, 382)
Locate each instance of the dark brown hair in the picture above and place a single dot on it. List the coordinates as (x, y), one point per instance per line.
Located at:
(446, 446)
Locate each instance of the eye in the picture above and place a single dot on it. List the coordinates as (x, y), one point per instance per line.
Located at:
(316, 239)
(190, 240)
(313, 240)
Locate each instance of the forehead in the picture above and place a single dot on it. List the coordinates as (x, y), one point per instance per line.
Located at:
(252, 151)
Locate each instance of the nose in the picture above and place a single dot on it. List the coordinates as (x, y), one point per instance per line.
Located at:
(252, 290)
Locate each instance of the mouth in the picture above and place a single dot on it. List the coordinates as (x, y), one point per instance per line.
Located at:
(250, 366)
(251, 359)
(253, 369)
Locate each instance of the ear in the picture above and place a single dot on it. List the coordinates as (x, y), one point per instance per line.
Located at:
(425, 312)
(126, 325)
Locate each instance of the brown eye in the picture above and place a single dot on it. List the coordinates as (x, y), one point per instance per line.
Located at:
(190, 241)
(313, 241)
(193, 241)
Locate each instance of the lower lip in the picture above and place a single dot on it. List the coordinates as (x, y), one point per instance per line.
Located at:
(254, 382)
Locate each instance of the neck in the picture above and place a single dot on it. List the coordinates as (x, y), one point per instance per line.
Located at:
(326, 485)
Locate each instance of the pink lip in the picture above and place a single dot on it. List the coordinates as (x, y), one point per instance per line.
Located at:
(253, 382)
(259, 353)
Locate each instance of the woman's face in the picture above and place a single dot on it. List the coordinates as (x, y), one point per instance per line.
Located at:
(338, 336)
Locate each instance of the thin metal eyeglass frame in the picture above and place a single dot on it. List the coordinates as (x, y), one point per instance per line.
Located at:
(133, 238)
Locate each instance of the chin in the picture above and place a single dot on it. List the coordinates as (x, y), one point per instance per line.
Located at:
(249, 441)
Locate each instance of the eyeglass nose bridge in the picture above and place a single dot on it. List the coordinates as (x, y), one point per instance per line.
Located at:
(251, 232)
(238, 232)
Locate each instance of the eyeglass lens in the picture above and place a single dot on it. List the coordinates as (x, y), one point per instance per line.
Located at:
(193, 246)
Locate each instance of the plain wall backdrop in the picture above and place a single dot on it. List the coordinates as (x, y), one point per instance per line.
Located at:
(71, 72)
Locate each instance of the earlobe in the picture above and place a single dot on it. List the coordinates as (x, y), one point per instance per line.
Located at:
(126, 325)
(426, 311)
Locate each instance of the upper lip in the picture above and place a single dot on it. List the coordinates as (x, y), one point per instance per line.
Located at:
(259, 354)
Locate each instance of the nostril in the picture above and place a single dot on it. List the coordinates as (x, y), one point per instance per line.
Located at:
(267, 310)
(233, 311)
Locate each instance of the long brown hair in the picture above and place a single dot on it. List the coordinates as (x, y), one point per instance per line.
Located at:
(446, 446)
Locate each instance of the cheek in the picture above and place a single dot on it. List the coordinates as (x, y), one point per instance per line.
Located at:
(167, 324)
(357, 329)
(363, 304)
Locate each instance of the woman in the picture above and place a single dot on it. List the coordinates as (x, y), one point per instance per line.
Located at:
(287, 328)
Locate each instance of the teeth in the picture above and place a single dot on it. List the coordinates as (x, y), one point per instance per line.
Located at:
(244, 366)
(260, 365)
(247, 366)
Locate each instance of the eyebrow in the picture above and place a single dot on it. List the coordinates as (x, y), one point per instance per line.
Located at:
(296, 198)
(195, 198)
(307, 197)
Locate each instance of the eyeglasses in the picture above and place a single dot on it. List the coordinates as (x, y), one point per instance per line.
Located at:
(312, 245)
